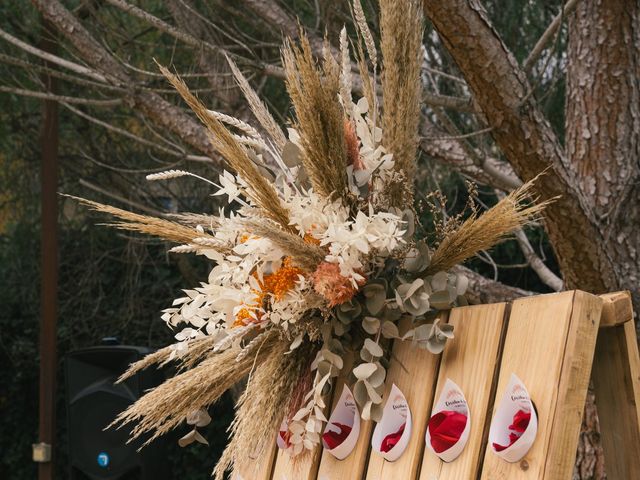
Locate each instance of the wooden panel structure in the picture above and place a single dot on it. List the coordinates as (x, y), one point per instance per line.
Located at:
(287, 468)
(616, 309)
(354, 465)
(616, 381)
(543, 337)
(262, 466)
(413, 370)
(478, 331)
(549, 342)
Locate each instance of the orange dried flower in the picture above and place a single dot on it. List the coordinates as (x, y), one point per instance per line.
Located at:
(353, 146)
(329, 283)
(310, 239)
(277, 284)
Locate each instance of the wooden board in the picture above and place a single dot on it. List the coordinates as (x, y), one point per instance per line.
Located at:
(616, 309)
(262, 466)
(572, 389)
(287, 468)
(470, 360)
(354, 465)
(542, 330)
(414, 371)
(616, 381)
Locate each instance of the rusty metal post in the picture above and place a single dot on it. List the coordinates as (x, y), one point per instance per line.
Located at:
(49, 286)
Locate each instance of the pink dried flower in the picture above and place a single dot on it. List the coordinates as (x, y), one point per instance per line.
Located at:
(335, 288)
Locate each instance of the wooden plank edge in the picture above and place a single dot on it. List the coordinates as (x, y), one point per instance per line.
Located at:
(617, 309)
(573, 384)
(494, 389)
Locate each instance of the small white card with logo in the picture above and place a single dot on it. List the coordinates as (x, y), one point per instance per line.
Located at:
(450, 423)
(282, 440)
(393, 431)
(515, 423)
(343, 428)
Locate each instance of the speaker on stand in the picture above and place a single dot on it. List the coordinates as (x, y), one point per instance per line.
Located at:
(93, 402)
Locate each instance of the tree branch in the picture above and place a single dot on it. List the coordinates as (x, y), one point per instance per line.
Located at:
(549, 278)
(136, 138)
(191, 40)
(61, 98)
(156, 108)
(548, 34)
(500, 89)
(52, 58)
(483, 290)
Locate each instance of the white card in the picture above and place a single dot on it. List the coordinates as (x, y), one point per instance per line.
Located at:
(344, 418)
(451, 400)
(283, 433)
(395, 421)
(516, 400)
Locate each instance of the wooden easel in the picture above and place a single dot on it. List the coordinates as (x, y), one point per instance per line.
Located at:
(551, 342)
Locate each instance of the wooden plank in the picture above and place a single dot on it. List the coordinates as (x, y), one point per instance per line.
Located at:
(534, 350)
(354, 465)
(470, 360)
(413, 370)
(572, 389)
(261, 468)
(305, 468)
(616, 381)
(616, 309)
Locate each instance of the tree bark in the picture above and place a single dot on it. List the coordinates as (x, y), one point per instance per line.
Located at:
(502, 91)
(603, 152)
(603, 125)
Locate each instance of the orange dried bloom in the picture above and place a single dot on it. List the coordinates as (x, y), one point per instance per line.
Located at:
(244, 317)
(310, 239)
(277, 284)
(329, 283)
(282, 280)
(353, 146)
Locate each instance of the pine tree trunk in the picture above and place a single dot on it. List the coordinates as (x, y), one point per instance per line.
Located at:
(603, 152)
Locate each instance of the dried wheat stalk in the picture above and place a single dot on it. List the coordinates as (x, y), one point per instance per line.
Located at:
(236, 123)
(262, 407)
(157, 227)
(482, 232)
(400, 42)
(258, 108)
(345, 71)
(260, 190)
(306, 255)
(166, 406)
(319, 117)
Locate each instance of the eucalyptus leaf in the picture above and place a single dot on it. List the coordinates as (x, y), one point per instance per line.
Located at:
(377, 378)
(373, 348)
(371, 325)
(364, 370)
(439, 281)
(389, 330)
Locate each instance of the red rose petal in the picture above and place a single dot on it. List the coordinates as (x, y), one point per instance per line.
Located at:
(333, 438)
(285, 435)
(445, 429)
(520, 423)
(391, 440)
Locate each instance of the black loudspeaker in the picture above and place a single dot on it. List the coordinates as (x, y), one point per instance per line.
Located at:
(94, 401)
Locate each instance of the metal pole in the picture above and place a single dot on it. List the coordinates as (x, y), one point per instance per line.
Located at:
(49, 288)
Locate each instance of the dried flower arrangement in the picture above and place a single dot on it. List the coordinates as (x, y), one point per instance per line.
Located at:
(319, 255)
